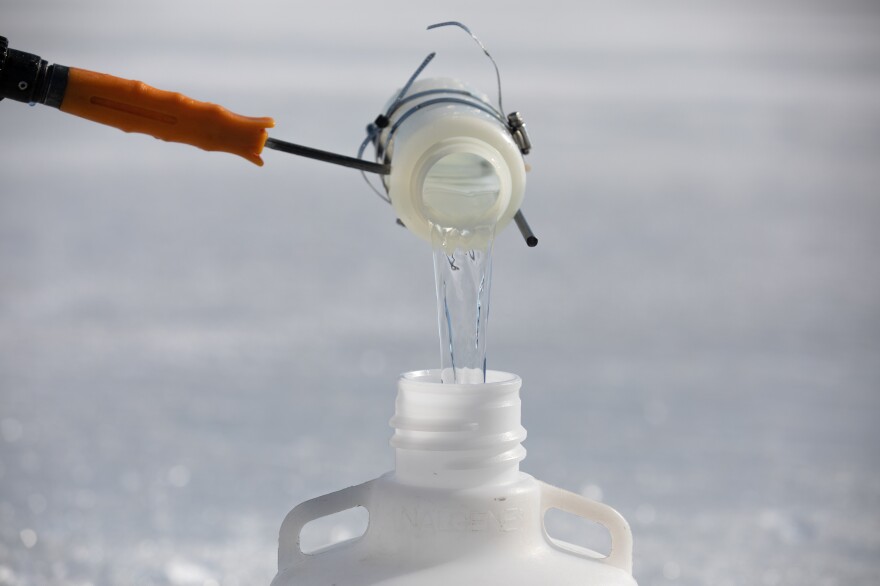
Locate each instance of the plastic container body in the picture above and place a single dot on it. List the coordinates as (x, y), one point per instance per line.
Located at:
(454, 163)
(456, 510)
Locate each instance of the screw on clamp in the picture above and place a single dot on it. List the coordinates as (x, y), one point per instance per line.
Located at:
(517, 125)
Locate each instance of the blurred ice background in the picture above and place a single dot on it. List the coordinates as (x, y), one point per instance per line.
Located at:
(191, 345)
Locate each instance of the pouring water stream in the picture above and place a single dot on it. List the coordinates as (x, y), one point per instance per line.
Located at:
(462, 261)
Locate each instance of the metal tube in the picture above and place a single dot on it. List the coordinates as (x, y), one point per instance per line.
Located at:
(525, 229)
(328, 157)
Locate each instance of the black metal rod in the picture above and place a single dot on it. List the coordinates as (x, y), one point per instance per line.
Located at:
(327, 157)
(525, 229)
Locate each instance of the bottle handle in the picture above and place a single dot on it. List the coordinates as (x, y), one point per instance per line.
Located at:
(621, 536)
(290, 552)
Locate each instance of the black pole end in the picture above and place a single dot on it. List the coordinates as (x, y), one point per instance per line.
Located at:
(525, 229)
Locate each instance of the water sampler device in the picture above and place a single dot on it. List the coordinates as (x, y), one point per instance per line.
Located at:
(456, 509)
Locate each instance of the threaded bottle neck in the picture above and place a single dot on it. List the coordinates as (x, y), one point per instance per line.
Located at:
(457, 435)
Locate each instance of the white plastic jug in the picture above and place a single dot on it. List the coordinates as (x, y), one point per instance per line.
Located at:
(456, 510)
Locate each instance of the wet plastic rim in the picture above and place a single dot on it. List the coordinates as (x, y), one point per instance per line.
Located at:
(450, 146)
(494, 378)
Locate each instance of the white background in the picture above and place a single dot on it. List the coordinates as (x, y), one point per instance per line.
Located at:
(190, 345)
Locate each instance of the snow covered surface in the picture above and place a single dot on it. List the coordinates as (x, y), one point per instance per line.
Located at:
(191, 345)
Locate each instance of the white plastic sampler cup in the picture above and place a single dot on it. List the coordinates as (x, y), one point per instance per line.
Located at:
(454, 165)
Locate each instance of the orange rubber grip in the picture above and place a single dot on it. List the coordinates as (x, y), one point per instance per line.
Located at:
(133, 106)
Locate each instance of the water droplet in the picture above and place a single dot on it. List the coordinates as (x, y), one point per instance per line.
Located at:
(28, 537)
(671, 571)
(592, 492)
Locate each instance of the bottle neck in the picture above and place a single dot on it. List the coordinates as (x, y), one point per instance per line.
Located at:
(452, 436)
